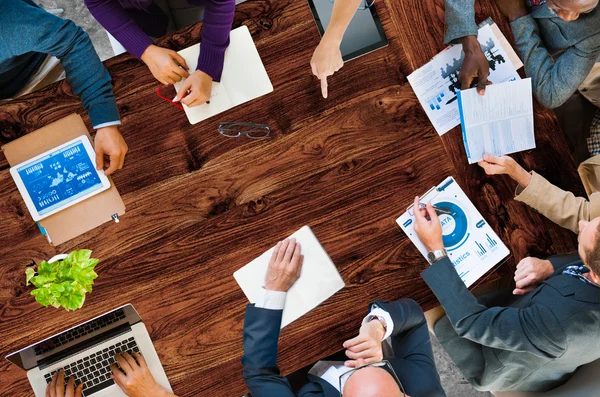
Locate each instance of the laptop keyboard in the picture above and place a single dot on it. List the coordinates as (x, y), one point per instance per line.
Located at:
(94, 370)
(79, 331)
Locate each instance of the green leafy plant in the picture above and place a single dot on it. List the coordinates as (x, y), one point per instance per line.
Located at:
(63, 283)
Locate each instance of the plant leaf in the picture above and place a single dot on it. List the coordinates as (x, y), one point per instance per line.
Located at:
(72, 301)
(79, 256)
(45, 268)
(29, 274)
(42, 296)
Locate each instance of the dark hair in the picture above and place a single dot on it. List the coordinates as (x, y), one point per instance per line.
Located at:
(592, 256)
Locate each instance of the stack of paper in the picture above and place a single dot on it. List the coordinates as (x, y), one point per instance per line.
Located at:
(499, 122)
(436, 83)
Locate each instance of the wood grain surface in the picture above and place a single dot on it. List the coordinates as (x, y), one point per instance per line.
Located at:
(200, 206)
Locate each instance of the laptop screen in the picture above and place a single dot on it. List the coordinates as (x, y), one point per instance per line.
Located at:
(59, 344)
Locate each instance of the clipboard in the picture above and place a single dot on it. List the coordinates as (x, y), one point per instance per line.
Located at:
(473, 246)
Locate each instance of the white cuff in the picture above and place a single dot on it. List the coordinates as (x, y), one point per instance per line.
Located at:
(107, 124)
(272, 300)
(389, 323)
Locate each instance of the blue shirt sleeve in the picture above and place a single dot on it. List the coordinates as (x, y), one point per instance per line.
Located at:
(25, 27)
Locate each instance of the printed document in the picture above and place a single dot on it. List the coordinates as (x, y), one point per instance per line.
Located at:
(318, 281)
(436, 83)
(472, 245)
(499, 122)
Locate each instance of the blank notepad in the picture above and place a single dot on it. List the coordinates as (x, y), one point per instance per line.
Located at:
(318, 281)
(244, 77)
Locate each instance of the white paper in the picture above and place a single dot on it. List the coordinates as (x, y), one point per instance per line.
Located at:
(436, 83)
(318, 281)
(472, 245)
(243, 78)
(499, 122)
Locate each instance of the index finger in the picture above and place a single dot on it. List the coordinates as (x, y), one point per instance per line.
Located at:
(432, 214)
(324, 86)
(180, 60)
(465, 81)
(123, 364)
(290, 250)
(417, 210)
(181, 71)
(140, 359)
(60, 384)
(354, 341)
(70, 387)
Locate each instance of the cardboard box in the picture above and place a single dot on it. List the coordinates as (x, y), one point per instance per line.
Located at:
(83, 216)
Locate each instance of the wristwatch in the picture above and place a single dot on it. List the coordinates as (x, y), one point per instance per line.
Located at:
(381, 320)
(434, 256)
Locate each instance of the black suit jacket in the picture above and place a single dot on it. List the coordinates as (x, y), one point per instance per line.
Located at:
(412, 360)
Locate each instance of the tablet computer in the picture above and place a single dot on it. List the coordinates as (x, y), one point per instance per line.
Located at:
(59, 178)
(364, 34)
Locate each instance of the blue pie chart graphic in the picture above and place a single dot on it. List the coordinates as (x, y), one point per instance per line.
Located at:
(455, 225)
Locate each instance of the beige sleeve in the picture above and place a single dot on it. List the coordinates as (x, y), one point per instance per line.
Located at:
(560, 206)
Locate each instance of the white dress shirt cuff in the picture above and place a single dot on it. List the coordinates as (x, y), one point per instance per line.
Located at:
(379, 312)
(272, 300)
(107, 124)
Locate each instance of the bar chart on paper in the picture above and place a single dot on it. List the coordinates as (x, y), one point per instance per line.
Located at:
(472, 245)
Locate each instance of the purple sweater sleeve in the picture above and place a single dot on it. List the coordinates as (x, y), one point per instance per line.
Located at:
(218, 18)
(114, 18)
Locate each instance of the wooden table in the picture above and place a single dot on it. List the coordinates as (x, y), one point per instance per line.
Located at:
(200, 206)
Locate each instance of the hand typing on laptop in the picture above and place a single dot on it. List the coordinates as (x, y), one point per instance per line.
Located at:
(134, 377)
(56, 388)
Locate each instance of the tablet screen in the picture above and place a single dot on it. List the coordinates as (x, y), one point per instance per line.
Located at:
(364, 33)
(60, 177)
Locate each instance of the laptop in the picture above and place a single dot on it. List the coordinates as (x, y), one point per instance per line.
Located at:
(86, 352)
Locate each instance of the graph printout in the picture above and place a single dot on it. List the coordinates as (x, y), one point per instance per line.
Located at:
(472, 245)
(60, 177)
(436, 83)
(499, 122)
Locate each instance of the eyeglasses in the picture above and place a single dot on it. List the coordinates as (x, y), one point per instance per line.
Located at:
(383, 363)
(363, 6)
(250, 130)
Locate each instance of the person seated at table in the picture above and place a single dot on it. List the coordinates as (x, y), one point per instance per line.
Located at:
(557, 40)
(133, 22)
(134, 378)
(36, 48)
(531, 342)
(327, 58)
(560, 206)
(397, 328)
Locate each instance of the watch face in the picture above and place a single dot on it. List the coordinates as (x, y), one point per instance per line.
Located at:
(431, 256)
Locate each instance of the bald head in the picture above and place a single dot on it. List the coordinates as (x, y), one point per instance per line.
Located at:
(371, 382)
(570, 10)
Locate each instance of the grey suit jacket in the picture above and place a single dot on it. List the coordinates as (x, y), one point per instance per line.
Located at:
(534, 344)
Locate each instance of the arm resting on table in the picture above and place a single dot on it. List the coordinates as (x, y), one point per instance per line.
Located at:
(558, 205)
(534, 329)
(261, 335)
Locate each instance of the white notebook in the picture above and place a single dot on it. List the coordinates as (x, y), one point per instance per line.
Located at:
(244, 77)
(318, 281)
